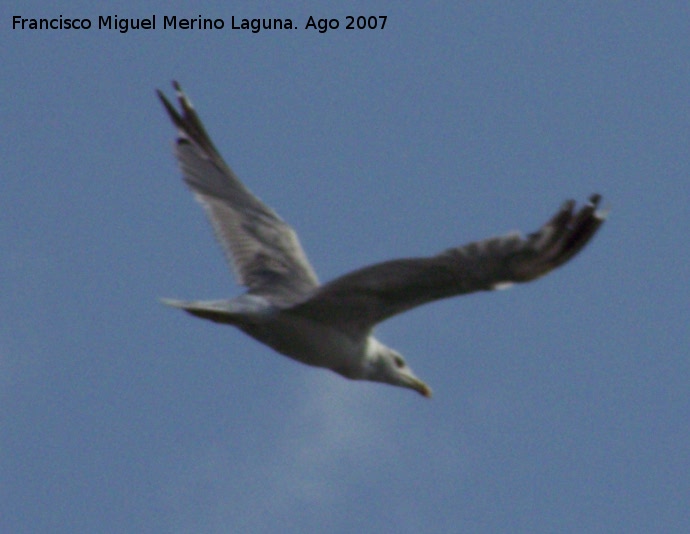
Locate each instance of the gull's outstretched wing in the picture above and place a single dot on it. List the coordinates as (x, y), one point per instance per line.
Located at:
(357, 301)
(264, 251)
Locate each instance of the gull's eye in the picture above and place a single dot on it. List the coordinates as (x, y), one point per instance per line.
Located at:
(399, 362)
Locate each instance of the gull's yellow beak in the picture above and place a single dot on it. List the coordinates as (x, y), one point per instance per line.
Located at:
(420, 387)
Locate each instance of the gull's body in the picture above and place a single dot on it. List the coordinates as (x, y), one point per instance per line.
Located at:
(304, 339)
(331, 325)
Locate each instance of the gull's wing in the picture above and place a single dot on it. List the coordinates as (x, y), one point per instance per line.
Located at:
(264, 251)
(357, 301)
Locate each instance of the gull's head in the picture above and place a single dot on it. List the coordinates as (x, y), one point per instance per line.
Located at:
(388, 366)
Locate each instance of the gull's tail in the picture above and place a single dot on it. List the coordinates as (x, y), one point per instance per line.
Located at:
(218, 311)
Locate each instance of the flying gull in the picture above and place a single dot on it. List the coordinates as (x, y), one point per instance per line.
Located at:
(331, 325)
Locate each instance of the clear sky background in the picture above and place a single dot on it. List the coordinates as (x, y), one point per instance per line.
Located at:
(559, 406)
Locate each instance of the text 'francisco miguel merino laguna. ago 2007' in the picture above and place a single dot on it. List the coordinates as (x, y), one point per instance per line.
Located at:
(173, 22)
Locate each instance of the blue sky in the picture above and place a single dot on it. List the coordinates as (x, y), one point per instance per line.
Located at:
(559, 406)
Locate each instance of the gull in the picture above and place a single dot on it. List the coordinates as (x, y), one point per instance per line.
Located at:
(331, 325)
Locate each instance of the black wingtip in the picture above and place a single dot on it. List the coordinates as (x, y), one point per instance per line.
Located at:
(162, 97)
(599, 214)
(170, 109)
(189, 126)
(582, 228)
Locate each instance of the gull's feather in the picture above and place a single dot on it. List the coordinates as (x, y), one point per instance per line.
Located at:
(356, 301)
(264, 252)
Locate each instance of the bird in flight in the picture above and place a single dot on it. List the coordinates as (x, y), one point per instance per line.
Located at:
(331, 325)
